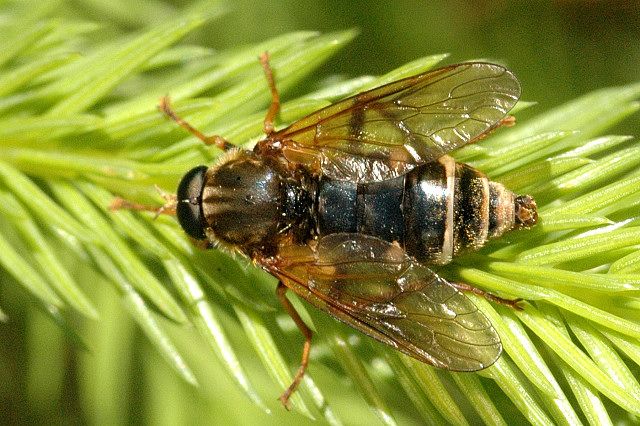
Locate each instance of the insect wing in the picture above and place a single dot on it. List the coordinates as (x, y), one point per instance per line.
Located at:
(385, 132)
(375, 287)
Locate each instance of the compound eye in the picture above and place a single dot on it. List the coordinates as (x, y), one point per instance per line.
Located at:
(189, 207)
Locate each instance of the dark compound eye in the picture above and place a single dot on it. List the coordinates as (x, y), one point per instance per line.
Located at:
(189, 208)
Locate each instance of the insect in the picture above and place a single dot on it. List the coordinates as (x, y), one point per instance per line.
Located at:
(351, 205)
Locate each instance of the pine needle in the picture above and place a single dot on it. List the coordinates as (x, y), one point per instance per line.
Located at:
(77, 129)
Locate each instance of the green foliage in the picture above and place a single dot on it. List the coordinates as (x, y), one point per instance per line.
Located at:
(79, 125)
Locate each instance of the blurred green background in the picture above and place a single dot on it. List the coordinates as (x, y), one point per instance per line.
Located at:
(559, 50)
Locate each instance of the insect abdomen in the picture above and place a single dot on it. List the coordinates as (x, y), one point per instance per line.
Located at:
(435, 211)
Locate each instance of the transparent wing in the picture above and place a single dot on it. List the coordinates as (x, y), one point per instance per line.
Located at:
(376, 288)
(385, 132)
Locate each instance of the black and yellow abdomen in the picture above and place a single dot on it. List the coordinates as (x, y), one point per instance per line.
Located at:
(435, 211)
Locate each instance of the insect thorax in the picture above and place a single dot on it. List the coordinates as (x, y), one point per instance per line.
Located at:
(250, 202)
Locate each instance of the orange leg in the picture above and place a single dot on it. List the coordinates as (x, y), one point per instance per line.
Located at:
(512, 303)
(508, 121)
(275, 97)
(169, 207)
(306, 331)
(216, 140)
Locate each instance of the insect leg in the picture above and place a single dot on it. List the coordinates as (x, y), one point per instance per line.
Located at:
(168, 208)
(275, 97)
(306, 331)
(216, 140)
(508, 121)
(512, 303)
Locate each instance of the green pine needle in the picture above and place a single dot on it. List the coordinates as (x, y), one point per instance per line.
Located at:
(78, 129)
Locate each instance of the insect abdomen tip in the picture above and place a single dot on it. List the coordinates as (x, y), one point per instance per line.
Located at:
(526, 211)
